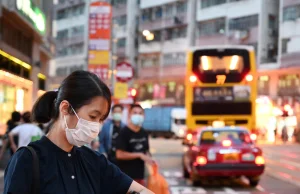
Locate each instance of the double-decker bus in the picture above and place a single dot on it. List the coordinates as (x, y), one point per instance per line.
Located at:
(221, 87)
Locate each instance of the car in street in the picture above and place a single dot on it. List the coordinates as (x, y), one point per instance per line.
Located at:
(223, 152)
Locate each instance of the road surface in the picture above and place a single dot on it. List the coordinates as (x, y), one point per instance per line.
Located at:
(168, 154)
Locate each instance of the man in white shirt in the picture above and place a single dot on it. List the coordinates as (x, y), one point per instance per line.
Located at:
(27, 132)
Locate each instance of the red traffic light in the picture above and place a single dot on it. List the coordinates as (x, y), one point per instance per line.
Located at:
(133, 92)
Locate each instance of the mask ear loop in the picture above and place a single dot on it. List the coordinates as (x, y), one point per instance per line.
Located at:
(74, 113)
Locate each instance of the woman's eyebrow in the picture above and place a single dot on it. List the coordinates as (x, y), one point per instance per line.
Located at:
(97, 112)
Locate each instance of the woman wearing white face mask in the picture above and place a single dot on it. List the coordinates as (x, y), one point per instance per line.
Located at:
(58, 163)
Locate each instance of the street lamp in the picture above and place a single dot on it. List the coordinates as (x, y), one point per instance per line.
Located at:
(148, 35)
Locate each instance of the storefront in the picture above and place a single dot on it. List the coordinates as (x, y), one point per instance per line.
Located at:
(15, 95)
(24, 57)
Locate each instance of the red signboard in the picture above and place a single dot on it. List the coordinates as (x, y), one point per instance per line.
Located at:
(99, 26)
(124, 72)
(100, 70)
(99, 38)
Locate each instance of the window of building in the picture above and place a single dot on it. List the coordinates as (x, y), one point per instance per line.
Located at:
(181, 7)
(157, 12)
(284, 45)
(16, 38)
(76, 49)
(116, 2)
(243, 23)
(62, 14)
(291, 12)
(210, 3)
(211, 27)
(146, 15)
(62, 71)
(62, 34)
(121, 43)
(150, 62)
(121, 20)
(78, 10)
(174, 59)
(174, 33)
(78, 30)
(169, 10)
(62, 52)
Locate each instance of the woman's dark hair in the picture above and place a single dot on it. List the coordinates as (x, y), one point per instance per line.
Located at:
(26, 117)
(117, 106)
(79, 88)
(15, 116)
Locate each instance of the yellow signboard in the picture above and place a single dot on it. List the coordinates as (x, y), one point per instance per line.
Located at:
(121, 90)
(98, 57)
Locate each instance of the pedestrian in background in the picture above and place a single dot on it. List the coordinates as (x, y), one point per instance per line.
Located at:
(110, 132)
(26, 132)
(133, 146)
(95, 145)
(77, 110)
(12, 123)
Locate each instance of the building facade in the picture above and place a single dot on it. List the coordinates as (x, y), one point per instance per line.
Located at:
(70, 28)
(282, 80)
(25, 52)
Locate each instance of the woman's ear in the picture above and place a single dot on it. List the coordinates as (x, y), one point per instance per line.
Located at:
(64, 107)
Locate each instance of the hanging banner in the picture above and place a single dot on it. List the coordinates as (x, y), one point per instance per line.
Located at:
(99, 26)
(99, 38)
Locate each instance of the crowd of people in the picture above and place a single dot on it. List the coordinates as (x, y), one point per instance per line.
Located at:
(79, 150)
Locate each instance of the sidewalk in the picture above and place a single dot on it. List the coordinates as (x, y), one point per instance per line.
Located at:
(283, 161)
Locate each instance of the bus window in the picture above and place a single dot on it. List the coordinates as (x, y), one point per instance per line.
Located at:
(232, 64)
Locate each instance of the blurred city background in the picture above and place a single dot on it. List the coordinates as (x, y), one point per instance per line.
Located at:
(141, 49)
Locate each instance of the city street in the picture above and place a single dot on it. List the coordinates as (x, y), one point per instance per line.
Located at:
(283, 166)
(168, 154)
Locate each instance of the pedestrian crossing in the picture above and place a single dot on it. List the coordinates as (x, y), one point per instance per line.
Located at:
(179, 185)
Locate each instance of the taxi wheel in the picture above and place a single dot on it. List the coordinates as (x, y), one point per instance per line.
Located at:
(196, 183)
(253, 182)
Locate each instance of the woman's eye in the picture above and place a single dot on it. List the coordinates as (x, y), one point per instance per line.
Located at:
(93, 117)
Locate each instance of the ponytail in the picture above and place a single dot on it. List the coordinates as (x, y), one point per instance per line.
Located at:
(44, 108)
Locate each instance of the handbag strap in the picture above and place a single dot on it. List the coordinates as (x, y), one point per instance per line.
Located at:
(35, 171)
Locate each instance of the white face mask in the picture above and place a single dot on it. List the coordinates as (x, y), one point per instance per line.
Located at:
(84, 133)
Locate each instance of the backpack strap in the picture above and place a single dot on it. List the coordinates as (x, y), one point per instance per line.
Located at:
(35, 171)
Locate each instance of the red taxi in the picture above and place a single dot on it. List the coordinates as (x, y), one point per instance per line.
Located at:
(221, 153)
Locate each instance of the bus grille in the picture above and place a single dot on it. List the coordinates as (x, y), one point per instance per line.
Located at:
(222, 108)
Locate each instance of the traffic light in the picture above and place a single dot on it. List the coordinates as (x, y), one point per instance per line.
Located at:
(133, 94)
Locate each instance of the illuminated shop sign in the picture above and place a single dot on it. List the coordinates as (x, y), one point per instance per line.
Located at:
(33, 14)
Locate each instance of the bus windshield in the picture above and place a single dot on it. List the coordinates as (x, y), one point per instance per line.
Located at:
(210, 63)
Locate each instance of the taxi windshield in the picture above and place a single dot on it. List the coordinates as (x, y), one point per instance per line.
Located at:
(215, 137)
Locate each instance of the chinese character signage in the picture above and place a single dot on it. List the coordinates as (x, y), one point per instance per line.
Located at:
(99, 38)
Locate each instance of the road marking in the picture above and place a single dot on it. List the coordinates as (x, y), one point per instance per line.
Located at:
(172, 181)
(260, 188)
(230, 191)
(178, 174)
(166, 174)
(187, 190)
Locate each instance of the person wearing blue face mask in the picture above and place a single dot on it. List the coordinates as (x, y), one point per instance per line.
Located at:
(133, 146)
(110, 132)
